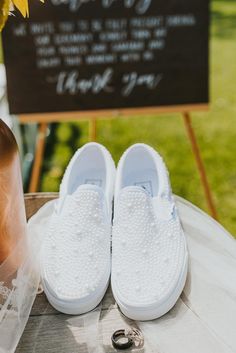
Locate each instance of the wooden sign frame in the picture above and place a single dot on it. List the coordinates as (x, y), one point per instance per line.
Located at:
(44, 119)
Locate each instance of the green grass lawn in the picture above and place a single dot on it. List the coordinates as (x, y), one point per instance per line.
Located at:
(215, 130)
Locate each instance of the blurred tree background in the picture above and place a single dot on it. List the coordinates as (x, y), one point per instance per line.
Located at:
(216, 131)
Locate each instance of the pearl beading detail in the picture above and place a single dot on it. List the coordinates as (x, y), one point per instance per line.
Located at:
(76, 249)
(148, 251)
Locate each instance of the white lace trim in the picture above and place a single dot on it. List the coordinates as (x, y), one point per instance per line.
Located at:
(4, 291)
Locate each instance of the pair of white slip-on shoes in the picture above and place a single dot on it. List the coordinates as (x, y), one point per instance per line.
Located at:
(149, 252)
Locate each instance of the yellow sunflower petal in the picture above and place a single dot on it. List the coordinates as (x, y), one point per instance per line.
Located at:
(22, 6)
(4, 12)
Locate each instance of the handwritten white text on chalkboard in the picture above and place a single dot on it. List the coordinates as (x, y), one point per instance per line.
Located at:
(140, 6)
(133, 80)
(71, 83)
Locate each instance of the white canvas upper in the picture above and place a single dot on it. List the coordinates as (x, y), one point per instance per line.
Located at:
(149, 253)
(75, 256)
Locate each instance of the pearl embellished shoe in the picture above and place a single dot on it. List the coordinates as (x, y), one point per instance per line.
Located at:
(75, 257)
(149, 252)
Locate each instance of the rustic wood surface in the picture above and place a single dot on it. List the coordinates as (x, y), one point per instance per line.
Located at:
(34, 201)
(49, 331)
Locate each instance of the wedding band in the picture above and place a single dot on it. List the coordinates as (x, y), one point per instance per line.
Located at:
(120, 335)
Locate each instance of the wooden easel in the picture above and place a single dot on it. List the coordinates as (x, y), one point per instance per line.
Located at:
(92, 116)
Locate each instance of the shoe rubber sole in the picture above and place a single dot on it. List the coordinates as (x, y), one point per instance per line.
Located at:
(79, 306)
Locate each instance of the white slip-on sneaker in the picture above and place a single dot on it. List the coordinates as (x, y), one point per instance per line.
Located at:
(149, 252)
(75, 256)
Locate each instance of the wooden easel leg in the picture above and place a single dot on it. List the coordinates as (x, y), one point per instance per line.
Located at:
(200, 164)
(92, 129)
(41, 139)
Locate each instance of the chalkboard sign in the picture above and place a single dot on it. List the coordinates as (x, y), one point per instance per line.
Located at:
(77, 55)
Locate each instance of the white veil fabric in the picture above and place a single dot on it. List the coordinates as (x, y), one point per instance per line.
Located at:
(18, 290)
(203, 320)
